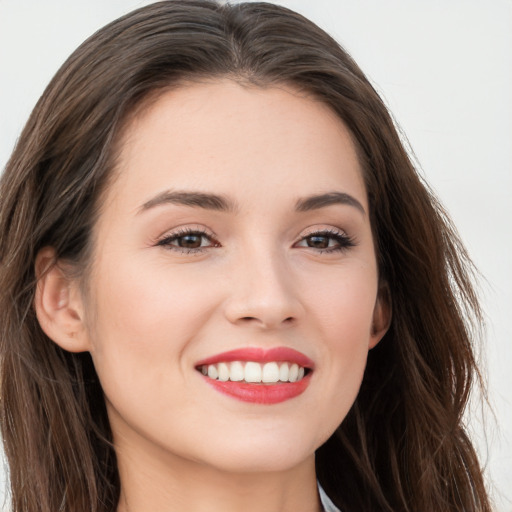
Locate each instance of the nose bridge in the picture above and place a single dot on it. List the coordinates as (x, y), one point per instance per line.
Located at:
(262, 289)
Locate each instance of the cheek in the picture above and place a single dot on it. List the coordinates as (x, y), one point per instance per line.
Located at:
(144, 318)
(149, 304)
(343, 305)
(144, 323)
(344, 317)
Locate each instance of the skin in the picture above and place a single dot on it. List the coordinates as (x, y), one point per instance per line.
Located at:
(153, 309)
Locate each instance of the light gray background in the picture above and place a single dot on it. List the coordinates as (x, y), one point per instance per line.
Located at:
(444, 67)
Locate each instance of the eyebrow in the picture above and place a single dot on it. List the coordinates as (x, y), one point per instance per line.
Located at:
(323, 200)
(194, 199)
(221, 203)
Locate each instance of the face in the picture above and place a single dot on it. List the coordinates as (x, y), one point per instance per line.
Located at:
(235, 242)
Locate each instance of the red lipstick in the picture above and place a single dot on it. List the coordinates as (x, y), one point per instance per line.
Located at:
(260, 355)
(260, 392)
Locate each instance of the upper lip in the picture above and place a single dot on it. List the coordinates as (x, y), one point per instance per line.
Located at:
(260, 355)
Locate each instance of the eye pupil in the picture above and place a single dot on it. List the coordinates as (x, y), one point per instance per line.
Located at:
(190, 241)
(318, 242)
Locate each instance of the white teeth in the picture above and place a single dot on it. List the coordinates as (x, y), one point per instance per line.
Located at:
(294, 372)
(223, 371)
(284, 371)
(236, 371)
(252, 372)
(270, 373)
(212, 371)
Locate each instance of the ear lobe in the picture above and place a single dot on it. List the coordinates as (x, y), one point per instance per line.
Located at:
(58, 304)
(382, 314)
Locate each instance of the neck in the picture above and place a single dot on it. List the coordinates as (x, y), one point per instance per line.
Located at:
(170, 483)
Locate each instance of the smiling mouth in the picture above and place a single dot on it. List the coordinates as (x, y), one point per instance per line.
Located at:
(258, 375)
(252, 372)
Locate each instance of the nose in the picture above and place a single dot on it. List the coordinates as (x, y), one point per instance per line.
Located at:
(263, 293)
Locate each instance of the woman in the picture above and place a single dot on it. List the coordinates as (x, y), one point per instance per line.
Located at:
(223, 281)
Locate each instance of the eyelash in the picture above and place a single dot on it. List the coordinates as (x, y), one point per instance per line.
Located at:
(182, 233)
(343, 241)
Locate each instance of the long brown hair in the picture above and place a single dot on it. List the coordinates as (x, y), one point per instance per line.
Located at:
(402, 446)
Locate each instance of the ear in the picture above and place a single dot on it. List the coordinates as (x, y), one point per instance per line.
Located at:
(381, 315)
(58, 303)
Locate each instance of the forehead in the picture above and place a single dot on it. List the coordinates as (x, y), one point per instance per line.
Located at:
(222, 133)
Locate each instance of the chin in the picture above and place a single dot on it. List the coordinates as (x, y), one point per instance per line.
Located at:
(255, 453)
(260, 461)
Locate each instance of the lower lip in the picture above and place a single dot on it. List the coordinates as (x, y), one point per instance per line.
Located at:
(261, 393)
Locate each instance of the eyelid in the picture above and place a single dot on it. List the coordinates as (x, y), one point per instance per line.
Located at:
(183, 230)
(322, 228)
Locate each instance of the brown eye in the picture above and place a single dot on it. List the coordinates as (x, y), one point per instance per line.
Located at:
(190, 241)
(318, 242)
(327, 241)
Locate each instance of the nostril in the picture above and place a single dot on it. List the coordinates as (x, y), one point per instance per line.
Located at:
(287, 320)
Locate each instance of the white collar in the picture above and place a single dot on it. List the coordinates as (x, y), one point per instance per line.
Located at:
(328, 505)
